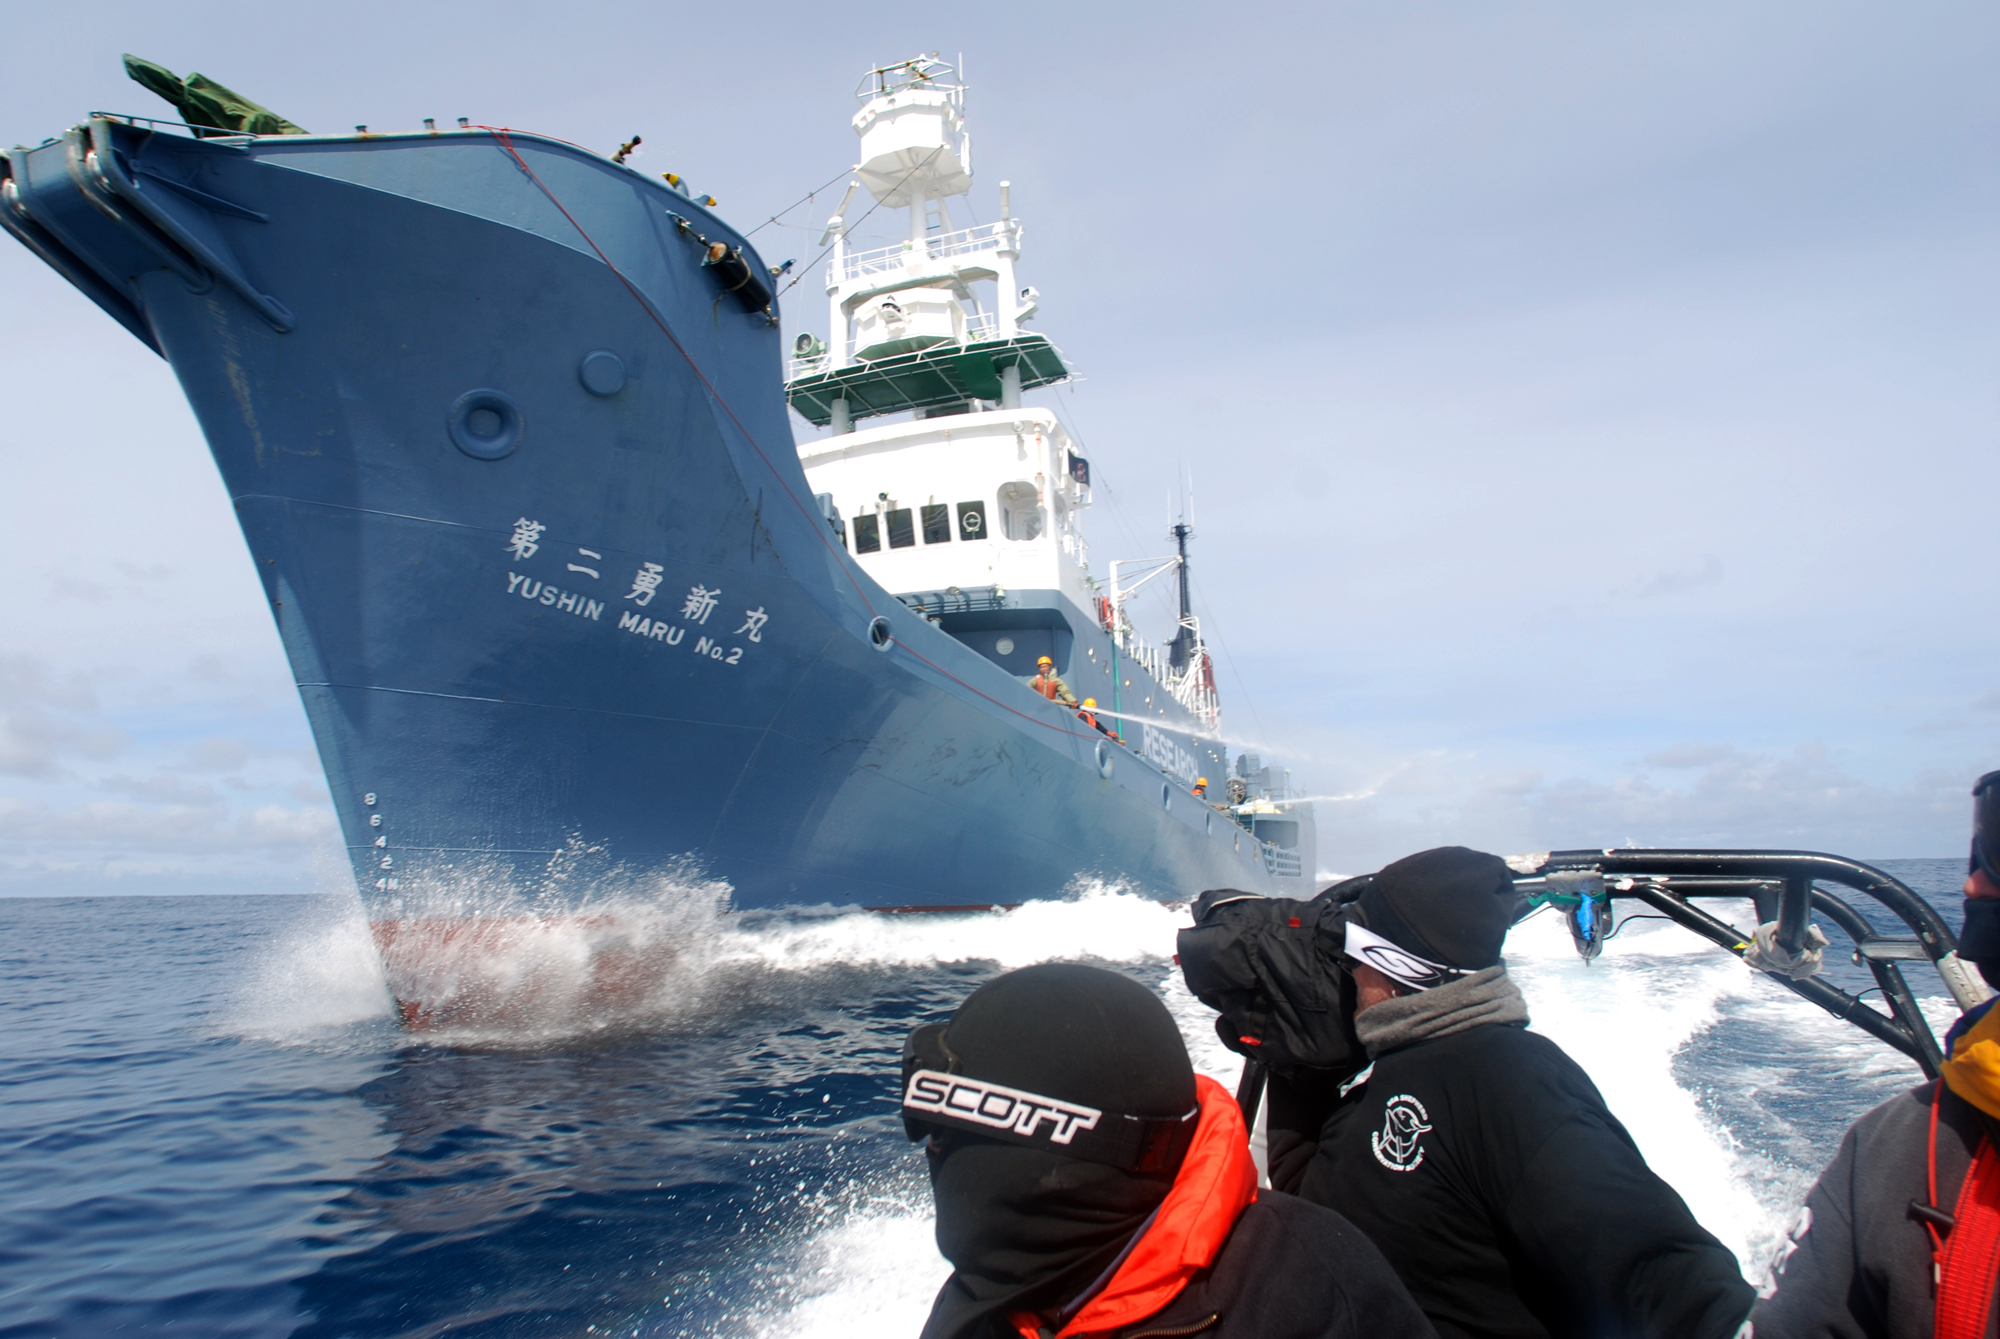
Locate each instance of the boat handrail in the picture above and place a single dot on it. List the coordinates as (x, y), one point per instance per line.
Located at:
(168, 124)
(1782, 885)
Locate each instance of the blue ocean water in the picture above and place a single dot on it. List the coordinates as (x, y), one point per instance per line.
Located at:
(209, 1124)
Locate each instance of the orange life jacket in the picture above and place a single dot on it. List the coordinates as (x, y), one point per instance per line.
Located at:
(1968, 1261)
(1044, 684)
(1216, 1183)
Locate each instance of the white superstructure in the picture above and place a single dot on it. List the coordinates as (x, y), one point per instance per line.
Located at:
(972, 495)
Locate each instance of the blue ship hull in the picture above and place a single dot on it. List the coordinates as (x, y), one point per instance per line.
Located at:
(631, 630)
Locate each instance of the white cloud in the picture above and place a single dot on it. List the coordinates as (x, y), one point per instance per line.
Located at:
(1679, 581)
(164, 789)
(27, 681)
(1713, 796)
(217, 755)
(32, 741)
(1692, 755)
(163, 827)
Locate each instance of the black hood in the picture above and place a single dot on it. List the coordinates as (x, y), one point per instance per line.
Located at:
(1028, 1228)
(1450, 906)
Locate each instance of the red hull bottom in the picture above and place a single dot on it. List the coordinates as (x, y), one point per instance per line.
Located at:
(521, 973)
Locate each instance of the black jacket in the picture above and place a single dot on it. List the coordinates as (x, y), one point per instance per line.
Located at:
(1513, 1203)
(1289, 1270)
(1858, 1265)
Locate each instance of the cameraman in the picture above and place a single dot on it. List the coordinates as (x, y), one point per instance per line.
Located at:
(1088, 1183)
(1478, 1156)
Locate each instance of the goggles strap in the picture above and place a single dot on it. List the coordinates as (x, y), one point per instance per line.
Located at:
(1016, 1116)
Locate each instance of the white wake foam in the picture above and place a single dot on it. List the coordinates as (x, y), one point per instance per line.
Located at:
(644, 955)
(1624, 1018)
(320, 977)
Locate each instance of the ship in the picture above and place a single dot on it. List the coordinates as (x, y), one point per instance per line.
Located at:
(508, 428)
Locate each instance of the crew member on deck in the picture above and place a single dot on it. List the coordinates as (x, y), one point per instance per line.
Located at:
(1201, 788)
(1048, 685)
(1087, 713)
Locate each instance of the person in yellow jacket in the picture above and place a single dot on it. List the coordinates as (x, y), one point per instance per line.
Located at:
(1898, 1239)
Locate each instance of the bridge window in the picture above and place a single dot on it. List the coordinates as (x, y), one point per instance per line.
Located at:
(937, 524)
(867, 533)
(902, 533)
(972, 520)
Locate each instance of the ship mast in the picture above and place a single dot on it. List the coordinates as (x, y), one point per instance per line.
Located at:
(905, 331)
(1187, 635)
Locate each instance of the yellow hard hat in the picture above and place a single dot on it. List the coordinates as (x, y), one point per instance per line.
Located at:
(1201, 781)
(1045, 661)
(1090, 702)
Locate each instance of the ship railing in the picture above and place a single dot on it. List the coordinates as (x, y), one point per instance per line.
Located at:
(978, 326)
(945, 245)
(1142, 653)
(172, 127)
(1185, 686)
(922, 74)
(1197, 697)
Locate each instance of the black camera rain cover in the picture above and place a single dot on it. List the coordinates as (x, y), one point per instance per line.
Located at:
(1271, 967)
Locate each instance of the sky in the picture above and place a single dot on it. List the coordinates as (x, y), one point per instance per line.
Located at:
(1590, 410)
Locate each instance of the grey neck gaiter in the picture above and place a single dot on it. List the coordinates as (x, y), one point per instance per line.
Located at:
(1484, 997)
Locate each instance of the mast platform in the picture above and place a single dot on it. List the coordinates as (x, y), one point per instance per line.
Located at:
(931, 378)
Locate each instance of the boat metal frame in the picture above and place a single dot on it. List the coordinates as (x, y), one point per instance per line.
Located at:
(1784, 886)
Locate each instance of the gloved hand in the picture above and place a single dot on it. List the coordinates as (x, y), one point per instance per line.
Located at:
(1764, 954)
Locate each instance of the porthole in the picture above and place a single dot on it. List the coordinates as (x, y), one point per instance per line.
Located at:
(1005, 646)
(602, 372)
(485, 424)
(879, 634)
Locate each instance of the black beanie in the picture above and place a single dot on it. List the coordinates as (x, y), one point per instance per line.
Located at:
(1450, 906)
(1029, 1228)
(1082, 1034)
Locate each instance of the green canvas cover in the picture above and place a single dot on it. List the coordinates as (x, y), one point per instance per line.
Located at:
(203, 102)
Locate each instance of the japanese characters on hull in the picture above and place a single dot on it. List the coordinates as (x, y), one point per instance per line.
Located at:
(700, 602)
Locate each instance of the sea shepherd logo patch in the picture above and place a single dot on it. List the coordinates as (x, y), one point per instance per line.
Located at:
(1399, 1144)
(996, 1107)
